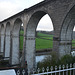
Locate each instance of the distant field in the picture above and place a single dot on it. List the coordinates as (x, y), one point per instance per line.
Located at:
(43, 41)
(21, 40)
(73, 43)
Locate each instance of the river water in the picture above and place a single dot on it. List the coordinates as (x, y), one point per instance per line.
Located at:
(40, 58)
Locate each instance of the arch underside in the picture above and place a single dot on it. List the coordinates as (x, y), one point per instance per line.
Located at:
(66, 33)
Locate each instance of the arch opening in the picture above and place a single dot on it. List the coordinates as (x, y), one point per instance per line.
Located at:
(17, 42)
(2, 38)
(44, 37)
(44, 34)
(73, 40)
(65, 46)
(31, 36)
(7, 40)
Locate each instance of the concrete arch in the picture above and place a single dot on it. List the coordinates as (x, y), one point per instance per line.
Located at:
(30, 38)
(7, 40)
(15, 58)
(66, 33)
(2, 38)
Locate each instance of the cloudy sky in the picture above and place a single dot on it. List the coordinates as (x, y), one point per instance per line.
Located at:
(11, 7)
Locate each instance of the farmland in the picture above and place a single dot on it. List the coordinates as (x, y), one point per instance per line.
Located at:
(43, 41)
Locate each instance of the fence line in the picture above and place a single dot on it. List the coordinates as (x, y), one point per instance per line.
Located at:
(60, 70)
(18, 70)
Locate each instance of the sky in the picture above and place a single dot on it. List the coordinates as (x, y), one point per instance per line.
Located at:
(11, 7)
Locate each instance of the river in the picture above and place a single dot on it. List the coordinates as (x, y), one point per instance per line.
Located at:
(40, 58)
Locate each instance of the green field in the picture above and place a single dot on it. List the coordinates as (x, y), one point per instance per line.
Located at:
(43, 41)
(73, 43)
(21, 40)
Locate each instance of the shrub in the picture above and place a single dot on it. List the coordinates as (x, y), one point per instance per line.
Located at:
(53, 60)
(50, 60)
(66, 59)
(45, 62)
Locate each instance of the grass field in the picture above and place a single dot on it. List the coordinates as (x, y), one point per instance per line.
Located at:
(73, 43)
(21, 39)
(43, 41)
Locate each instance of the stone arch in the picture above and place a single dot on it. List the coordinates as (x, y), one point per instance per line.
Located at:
(7, 40)
(15, 53)
(66, 33)
(30, 38)
(2, 38)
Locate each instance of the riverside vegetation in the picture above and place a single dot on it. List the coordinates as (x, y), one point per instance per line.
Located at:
(54, 61)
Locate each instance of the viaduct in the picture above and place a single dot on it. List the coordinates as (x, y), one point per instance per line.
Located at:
(62, 14)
